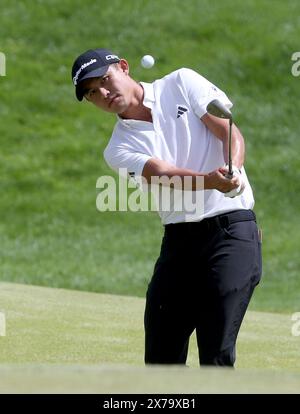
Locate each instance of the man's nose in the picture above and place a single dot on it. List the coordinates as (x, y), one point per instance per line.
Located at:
(104, 92)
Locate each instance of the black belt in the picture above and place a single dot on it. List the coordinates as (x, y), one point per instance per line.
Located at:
(220, 221)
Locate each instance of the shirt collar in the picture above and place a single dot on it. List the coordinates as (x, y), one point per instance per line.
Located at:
(148, 101)
(149, 98)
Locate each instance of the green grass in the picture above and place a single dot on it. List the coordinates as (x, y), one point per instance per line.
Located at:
(51, 146)
(70, 341)
(78, 379)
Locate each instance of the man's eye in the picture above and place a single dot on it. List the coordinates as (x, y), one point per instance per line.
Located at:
(104, 79)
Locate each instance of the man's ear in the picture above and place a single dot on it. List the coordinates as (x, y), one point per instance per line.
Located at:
(123, 64)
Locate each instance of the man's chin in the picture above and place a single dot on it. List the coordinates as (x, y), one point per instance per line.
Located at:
(122, 112)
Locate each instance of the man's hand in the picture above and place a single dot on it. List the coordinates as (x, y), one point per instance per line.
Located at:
(237, 174)
(218, 181)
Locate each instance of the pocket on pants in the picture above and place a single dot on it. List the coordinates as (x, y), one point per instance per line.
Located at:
(241, 230)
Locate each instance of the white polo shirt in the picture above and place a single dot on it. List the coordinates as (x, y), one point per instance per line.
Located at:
(178, 136)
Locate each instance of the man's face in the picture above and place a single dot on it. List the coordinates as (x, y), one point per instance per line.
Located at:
(113, 91)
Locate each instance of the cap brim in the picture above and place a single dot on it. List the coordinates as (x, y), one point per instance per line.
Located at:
(94, 74)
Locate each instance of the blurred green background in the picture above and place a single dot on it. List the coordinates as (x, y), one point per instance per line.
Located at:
(51, 146)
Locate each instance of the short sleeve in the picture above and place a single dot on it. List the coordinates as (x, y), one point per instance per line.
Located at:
(200, 91)
(126, 163)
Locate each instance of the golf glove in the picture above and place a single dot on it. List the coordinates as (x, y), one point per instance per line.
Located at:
(236, 191)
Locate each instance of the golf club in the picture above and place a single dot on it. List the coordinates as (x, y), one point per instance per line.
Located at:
(217, 108)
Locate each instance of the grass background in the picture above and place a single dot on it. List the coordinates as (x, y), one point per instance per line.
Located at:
(60, 341)
(51, 146)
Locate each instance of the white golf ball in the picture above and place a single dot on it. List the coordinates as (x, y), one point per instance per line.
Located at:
(147, 61)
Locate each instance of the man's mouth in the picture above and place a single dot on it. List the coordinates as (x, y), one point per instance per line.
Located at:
(112, 99)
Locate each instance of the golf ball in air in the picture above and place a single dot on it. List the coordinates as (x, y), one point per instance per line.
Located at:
(147, 61)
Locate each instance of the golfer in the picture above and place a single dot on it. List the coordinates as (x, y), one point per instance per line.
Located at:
(210, 261)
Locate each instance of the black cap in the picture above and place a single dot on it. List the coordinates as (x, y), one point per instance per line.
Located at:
(91, 64)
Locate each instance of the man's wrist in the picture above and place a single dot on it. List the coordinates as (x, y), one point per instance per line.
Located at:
(207, 182)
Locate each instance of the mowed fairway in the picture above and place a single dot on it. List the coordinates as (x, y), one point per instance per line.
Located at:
(69, 341)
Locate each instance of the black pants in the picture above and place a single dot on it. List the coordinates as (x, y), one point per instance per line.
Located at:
(203, 279)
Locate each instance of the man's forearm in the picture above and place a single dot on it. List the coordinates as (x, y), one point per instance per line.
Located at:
(220, 128)
(163, 173)
(190, 180)
(182, 179)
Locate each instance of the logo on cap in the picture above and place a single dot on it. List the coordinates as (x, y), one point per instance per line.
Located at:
(75, 79)
(110, 57)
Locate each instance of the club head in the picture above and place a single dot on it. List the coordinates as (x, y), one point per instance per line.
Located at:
(217, 108)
